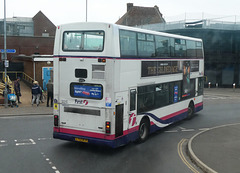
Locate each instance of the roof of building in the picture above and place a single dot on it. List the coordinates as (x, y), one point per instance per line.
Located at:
(18, 19)
(39, 25)
(42, 17)
(136, 15)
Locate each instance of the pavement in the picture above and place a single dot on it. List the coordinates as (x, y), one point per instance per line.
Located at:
(222, 142)
(26, 108)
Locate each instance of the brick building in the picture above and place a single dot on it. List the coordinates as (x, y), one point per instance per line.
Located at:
(30, 37)
(136, 15)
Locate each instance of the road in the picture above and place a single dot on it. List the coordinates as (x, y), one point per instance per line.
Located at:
(26, 145)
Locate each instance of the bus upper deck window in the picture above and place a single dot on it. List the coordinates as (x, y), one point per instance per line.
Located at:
(82, 41)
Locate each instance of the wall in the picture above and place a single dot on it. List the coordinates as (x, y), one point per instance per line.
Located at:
(39, 66)
(43, 25)
(222, 54)
(28, 45)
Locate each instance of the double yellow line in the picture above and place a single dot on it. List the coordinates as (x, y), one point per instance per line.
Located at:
(181, 155)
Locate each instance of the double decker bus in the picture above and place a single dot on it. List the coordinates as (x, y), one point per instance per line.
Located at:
(115, 84)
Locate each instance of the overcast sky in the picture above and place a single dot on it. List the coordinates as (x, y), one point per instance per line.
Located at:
(68, 11)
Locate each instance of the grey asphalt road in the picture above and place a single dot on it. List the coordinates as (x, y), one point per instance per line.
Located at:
(26, 145)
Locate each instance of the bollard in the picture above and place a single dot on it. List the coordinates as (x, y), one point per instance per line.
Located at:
(234, 86)
(216, 85)
(209, 84)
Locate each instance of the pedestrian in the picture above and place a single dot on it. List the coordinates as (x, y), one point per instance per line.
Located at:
(50, 92)
(36, 93)
(17, 89)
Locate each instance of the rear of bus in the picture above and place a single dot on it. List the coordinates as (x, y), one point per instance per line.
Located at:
(83, 91)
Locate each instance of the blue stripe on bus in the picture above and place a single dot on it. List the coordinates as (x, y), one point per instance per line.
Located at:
(126, 58)
(170, 120)
(130, 136)
(176, 118)
(123, 140)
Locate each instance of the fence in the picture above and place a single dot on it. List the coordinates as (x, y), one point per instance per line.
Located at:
(14, 75)
(183, 24)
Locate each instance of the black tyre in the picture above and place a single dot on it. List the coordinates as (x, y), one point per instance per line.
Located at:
(190, 111)
(143, 130)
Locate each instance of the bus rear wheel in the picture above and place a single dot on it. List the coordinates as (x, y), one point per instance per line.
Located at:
(143, 130)
(190, 111)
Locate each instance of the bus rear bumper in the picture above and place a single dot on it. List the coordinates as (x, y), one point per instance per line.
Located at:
(199, 107)
(83, 139)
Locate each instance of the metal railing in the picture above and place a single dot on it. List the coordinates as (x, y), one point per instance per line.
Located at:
(14, 74)
(200, 24)
(6, 81)
(27, 78)
(17, 74)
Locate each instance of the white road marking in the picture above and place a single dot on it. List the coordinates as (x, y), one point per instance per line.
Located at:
(203, 129)
(212, 97)
(3, 143)
(171, 131)
(23, 142)
(43, 139)
(33, 142)
(188, 130)
(182, 128)
(50, 163)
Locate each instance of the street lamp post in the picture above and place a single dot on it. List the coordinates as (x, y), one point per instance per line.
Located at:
(86, 10)
(5, 56)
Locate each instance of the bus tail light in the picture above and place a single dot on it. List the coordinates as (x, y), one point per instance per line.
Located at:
(62, 59)
(56, 120)
(101, 60)
(108, 127)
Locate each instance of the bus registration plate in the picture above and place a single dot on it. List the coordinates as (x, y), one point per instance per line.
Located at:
(81, 140)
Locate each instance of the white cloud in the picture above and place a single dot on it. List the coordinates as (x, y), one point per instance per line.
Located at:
(62, 11)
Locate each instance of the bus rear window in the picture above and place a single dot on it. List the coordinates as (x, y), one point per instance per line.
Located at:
(81, 41)
(89, 91)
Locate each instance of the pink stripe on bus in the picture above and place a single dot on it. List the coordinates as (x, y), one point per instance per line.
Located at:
(94, 134)
(174, 114)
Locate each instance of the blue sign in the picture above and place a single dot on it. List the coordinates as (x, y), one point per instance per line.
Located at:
(8, 50)
(175, 100)
(88, 91)
(46, 71)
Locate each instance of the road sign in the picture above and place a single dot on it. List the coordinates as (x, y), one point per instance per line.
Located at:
(6, 63)
(8, 50)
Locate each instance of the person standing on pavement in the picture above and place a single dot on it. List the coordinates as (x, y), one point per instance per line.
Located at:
(17, 89)
(36, 93)
(50, 92)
